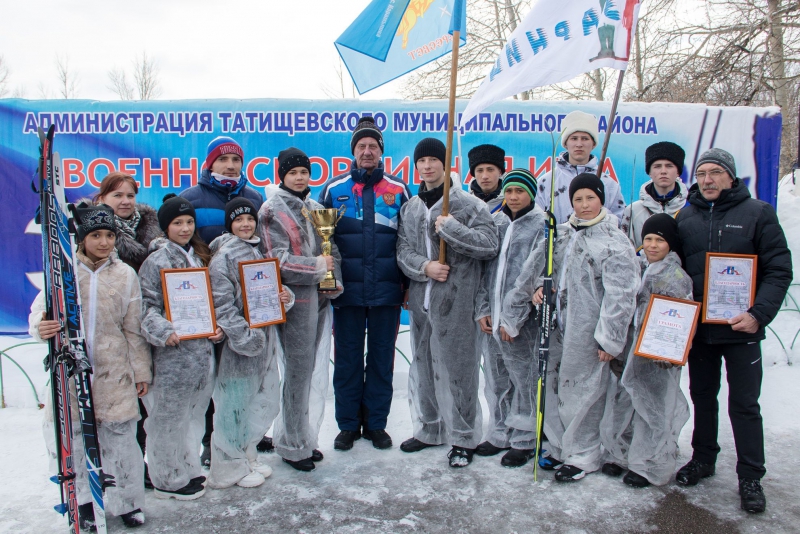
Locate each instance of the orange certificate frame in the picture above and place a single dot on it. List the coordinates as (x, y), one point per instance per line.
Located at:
(667, 329)
(188, 302)
(261, 286)
(729, 286)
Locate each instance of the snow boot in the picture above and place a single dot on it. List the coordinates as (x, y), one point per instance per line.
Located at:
(691, 473)
(265, 445)
(344, 441)
(612, 470)
(86, 517)
(379, 438)
(306, 464)
(569, 473)
(133, 519)
(414, 445)
(317, 456)
(205, 457)
(752, 494)
(516, 457)
(189, 492)
(254, 479)
(460, 456)
(635, 480)
(487, 449)
(258, 467)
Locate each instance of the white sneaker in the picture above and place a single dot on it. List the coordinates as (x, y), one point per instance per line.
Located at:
(252, 480)
(264, 469)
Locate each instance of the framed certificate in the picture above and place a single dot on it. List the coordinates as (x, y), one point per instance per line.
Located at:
(261, 285)
(730, 286)
(188, 302)
(667, 329)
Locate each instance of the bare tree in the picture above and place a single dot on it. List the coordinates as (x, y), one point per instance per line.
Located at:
(4, 76)
(146, 82)
(45, 92)
(343, 87)
(67, 79)
(119, 84)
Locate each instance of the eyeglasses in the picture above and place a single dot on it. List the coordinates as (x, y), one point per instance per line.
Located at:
(716, 173)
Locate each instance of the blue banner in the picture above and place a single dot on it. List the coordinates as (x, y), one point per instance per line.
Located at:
(163, 145)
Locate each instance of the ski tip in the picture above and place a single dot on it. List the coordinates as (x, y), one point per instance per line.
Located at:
(61, 508)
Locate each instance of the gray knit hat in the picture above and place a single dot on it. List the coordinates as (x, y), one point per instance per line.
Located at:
(720, 157)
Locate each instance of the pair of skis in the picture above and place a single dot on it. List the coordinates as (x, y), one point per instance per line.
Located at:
(67, 356)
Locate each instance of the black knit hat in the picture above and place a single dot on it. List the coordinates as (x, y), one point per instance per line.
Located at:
(366, 127)
(290, 158)
(89, 218)
(588, 180)
(491, 154)
(664, 150)
(239, 206)
(430, 147)
(172, 208)
(665, 226)
(522, 178)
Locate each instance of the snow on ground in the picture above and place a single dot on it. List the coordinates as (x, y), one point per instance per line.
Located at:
(366, 490)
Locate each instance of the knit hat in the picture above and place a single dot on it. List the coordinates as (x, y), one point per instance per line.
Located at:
(430, 147)
(664, 150)
(239, 206)
(588, 180)
(172, 208)
(366, 128)
(89, 218)
(665, 226)
(578, 121)
(219, 146)
(290, 158)
(492, 154)
(522, 178)
(721, 157)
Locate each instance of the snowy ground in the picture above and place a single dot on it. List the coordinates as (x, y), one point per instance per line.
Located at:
(388, 491)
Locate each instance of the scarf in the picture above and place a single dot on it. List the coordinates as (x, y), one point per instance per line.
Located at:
(580, 224)
(129, 226)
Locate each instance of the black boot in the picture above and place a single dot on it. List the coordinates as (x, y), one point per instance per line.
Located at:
(516, 457)
(635, 480)
(569, 473)
(414, 445)
(265, 445)
(612, 470)
(317, 456)
(379, 438)
(344, 441)
(752, 494)
(487, 449)
(307, 464)
(460, 456)
(133, 519)
(691, 473)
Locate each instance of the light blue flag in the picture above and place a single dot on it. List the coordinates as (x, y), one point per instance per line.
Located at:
(393, 37)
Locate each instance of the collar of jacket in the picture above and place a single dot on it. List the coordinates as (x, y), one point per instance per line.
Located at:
(591, 165)
(727, 199)
(476, 190)
(580, 224)
(92, 265)
(432, 197)
(360, 176)
(209, 181)
(521, 213)
(651, 190)
(299, 194)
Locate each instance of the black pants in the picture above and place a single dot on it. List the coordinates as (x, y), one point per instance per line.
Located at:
(744, 372)
(141, 435)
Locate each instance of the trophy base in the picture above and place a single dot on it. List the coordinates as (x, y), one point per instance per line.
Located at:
(327, 286)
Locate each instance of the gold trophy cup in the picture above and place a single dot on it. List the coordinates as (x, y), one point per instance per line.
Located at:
(324, 222)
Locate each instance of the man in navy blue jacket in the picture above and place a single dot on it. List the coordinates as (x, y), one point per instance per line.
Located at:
(374, 289)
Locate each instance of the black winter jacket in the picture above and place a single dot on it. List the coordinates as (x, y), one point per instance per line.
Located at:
(736, 224)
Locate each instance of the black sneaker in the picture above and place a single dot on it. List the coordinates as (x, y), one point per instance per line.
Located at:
(133, 519)
(569, 473)
(635, 480)
(198, 481)
(460, 456)
(265, 445)
(612, 470)
(189, 492)
(752, 494)
(317, 456)
(345, 439)
(205, 458)
(86, 517)
(487, 449)
(306, 464)
(414, 445)
(148, 484)
(691, 473)
(516, 457)
(379, 438)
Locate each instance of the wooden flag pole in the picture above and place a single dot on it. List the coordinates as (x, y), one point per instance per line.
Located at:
(610, 127)
(449, 147)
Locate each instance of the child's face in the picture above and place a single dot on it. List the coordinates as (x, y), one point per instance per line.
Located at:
(99, 244)
(655, 247)
(516, 198)
(586, 204)
(297, 179)
(181, 230)
(244, 226)
(431, 170)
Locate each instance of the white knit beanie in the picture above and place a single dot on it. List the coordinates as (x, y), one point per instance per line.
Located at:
(578, 121)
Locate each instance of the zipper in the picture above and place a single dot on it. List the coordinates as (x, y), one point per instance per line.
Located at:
(427, 301)
(719, 241)
(710, 226)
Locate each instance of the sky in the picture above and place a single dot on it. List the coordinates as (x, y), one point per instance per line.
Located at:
(230, 49)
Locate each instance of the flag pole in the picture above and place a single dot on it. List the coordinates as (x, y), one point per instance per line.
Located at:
(449, 147)
(610, 126)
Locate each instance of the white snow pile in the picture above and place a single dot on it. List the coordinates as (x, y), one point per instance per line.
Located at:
(389, 491)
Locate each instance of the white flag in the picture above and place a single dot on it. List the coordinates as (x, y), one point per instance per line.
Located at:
(558, 40)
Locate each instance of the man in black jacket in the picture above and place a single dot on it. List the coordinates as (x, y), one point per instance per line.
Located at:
(722, 217)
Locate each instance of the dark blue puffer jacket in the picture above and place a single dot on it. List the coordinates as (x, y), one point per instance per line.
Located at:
(367, 235)
(209, 198)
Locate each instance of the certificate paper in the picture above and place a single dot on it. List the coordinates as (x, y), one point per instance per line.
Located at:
(730, 286)
(668, 329)
(261, 287)
(188, 302)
